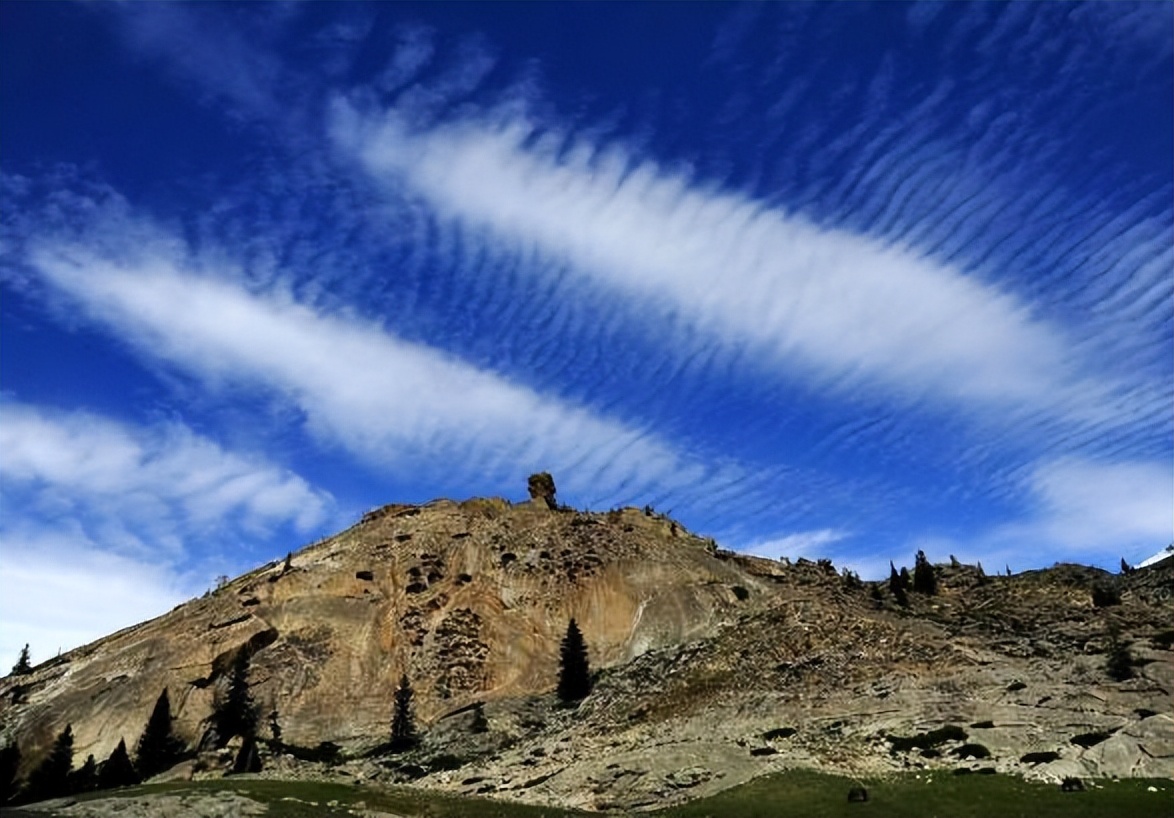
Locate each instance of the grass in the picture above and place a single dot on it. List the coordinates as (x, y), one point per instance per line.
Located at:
(815, 795)
(797, 792)
(316, 799)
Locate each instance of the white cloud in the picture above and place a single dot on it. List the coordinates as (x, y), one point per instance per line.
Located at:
(809, 544)
(62, 590)
(1088, 506)
(164, 478)
(390, 402)
(100, 516)
(1082, 511)
(842, 308)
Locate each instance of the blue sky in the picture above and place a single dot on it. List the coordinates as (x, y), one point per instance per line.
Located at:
(840, 279)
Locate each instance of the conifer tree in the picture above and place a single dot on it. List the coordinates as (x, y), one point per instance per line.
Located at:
(85, 777)
(23, 666)
(924, 580)
(247, 760)
(9, 766)
(480, 724)
(898, 584)
(235, 713)
(574, 680)
(117, 771)
(1119, 665)
(51, 777)
(158, 749)
(403, 724)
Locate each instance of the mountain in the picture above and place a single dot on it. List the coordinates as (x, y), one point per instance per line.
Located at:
(711, 667)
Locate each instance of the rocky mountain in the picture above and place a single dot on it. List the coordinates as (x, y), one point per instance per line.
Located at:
(711, 667)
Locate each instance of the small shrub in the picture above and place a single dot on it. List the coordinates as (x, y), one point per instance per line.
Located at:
(779, 732)
(1119, 664)
(1087, 740)
(1105, 595)
(972, 751)
(445, 762)
(929, 740)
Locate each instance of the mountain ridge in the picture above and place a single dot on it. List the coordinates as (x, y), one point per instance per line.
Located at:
(712, 666)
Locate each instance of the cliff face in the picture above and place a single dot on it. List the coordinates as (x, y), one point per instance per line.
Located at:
(714, 667)
(469, 599)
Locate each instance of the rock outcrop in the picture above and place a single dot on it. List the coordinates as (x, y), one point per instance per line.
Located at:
(713, 667)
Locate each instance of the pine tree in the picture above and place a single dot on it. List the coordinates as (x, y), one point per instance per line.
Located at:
(898, 583)
(480, 724)
(117, 771)
(51, 777)
(234, 713)
(403, 724)
(9, 766)
(22, 666)
(247, 760)
(158, 749)
(924, 580)
(85, 777)
(574, 680)
(1119, 664)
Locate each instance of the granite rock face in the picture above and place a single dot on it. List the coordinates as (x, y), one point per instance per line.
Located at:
(712, 667)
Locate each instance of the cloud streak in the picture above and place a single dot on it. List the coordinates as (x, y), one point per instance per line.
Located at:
(167, 473)
(104, 514)
(399, 405)
(841, 308)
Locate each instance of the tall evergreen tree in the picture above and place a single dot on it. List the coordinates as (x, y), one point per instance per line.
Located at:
(898, 584)
(1119, 664)
(574, 679)
(85, 777)
(23, 665)
(247, 760)
(51, 777)
(9, 766)
(403, 723)
(159, 748)
(924, 580)
(117, 771)
(235, 714)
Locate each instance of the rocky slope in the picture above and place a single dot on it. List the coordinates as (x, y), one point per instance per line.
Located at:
(714, 667)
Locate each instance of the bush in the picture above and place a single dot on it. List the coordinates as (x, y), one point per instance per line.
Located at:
(1087, 740)
(1105, 595)
(972, 751)
(929, 740)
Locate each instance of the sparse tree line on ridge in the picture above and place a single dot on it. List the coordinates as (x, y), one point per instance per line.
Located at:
(234, 714)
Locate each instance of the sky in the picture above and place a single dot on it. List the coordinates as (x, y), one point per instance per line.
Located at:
(841, 280)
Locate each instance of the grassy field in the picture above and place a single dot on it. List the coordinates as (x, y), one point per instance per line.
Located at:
(797, 793)
(814, 795)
